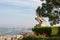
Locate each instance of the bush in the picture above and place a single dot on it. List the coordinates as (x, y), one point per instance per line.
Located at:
(46, 30)
(39, 38)
(50, 31)
(30, 38)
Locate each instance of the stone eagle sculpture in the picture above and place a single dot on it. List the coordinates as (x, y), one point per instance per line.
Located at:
(39, 19)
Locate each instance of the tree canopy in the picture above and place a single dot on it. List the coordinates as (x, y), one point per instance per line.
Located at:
(50, 9)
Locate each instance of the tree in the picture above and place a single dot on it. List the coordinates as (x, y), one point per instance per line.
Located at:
(50, 9)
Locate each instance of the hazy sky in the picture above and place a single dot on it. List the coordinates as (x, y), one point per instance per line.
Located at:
(18, 13)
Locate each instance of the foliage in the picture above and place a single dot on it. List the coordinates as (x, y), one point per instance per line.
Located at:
(30, 38)
(42, 30)
(50, 31)
(54, 30)
(39, 38)
(33, 38)
(50, 9)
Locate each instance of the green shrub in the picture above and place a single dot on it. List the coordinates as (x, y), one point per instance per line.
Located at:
(40, 38)
(50, 31)
(30, 38)
(46, 30)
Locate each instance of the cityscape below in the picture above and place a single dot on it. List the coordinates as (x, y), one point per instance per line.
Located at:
(14, 31)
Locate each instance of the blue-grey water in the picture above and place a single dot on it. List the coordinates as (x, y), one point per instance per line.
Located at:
(13, 31)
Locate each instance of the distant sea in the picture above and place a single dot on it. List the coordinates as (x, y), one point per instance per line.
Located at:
(13, 31)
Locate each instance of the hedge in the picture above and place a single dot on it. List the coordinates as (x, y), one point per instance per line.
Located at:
(50, 31)
(39, 38)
